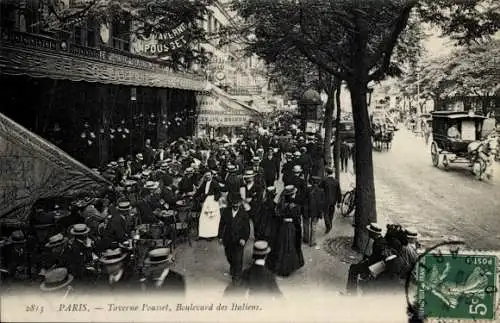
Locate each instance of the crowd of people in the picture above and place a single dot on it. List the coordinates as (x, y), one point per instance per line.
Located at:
(262, 187)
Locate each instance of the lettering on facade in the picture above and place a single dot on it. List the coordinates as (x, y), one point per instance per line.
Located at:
(162, 43)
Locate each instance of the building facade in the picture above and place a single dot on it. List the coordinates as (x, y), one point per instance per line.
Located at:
(89, 93)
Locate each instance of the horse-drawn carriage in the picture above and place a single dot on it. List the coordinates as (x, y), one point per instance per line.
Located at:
(459, 137)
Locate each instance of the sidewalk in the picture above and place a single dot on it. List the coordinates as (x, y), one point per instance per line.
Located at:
(325, 269)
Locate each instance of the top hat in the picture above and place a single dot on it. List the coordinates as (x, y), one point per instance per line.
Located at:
(56, 240)
(261, 248)
(152, 185)
(297, 169)
(158, 256)
(411, 233)
(17, 237)
(56, 279)
(112, 256)
(79, 229)
(374, 228)
(249, 173)
(123, 206)
(289, 190)
(139, 156)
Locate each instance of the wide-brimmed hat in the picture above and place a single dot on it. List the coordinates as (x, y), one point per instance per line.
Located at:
(17, 237)
(158, 256)
(374, 228)
(56, 240)
(249, 173)
(411, 233)
(112, 256)
(297, 169)
(289, 190)
(261, 248)
(56, 279)
(79, 229)
(139, 156)
(124, 206)
(151, 185)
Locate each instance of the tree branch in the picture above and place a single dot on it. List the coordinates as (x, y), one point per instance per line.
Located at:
(387, 47)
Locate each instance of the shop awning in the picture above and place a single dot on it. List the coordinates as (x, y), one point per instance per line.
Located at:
(40, 56)
(218, 109)
(32, 168)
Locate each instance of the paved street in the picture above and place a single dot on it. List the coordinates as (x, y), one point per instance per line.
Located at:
(440, 204)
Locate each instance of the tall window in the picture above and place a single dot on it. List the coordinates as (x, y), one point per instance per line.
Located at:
(121, 33)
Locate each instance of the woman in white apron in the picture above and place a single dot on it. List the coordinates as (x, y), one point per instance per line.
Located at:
(208, 193)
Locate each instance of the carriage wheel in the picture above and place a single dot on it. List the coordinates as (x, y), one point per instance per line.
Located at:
(446, 163)
(434, 154)
(347, 205)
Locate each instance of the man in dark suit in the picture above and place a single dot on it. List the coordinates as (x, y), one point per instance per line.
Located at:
(118, 277)
(268, 165)
(313, 210)
(159, 276)
(333, 196)
(258, 280)
(234, 231)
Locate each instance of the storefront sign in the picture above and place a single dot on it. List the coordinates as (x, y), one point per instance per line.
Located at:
(224, 120)
(163, 43)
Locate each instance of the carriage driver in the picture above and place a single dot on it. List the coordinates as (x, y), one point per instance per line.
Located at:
(453, 132)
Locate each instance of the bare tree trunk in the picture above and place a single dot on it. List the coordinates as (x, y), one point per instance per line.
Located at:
(337, 130)
(327, 141)
(366, 211)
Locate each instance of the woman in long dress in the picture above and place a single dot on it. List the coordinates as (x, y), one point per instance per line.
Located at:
(208, 193)
(287, 256)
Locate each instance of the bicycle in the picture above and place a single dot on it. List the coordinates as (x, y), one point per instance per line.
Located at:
(348, 203)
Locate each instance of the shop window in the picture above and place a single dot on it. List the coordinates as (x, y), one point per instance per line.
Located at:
(121, 33)
(8, 16)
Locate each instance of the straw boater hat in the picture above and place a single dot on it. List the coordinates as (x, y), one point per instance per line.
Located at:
(113, 164)
(158, 256)
(411, 233)
(56, 279)
(164, 165)
(151, 185)
(271, 190)
(374, 228)
(261, 248)
(121, 160)
(56, 240)
(79, 229)
(256, 160)
(249, 173)
(297, 169)
(231, 168)
(289, 190)
(297, 153)
(112, 256)
(189, 170)
(17, 237)
(139, 156)
(124, 206)
(146, 172)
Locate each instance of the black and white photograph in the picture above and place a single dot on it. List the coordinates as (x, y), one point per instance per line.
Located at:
(249, 160)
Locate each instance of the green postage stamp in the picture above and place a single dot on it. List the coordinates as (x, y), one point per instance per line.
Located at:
(457, 286)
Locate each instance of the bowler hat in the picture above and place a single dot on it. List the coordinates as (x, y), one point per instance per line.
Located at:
(17, 237)
(56, 279)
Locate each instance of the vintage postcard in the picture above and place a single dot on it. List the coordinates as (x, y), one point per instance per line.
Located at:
(249, 161)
